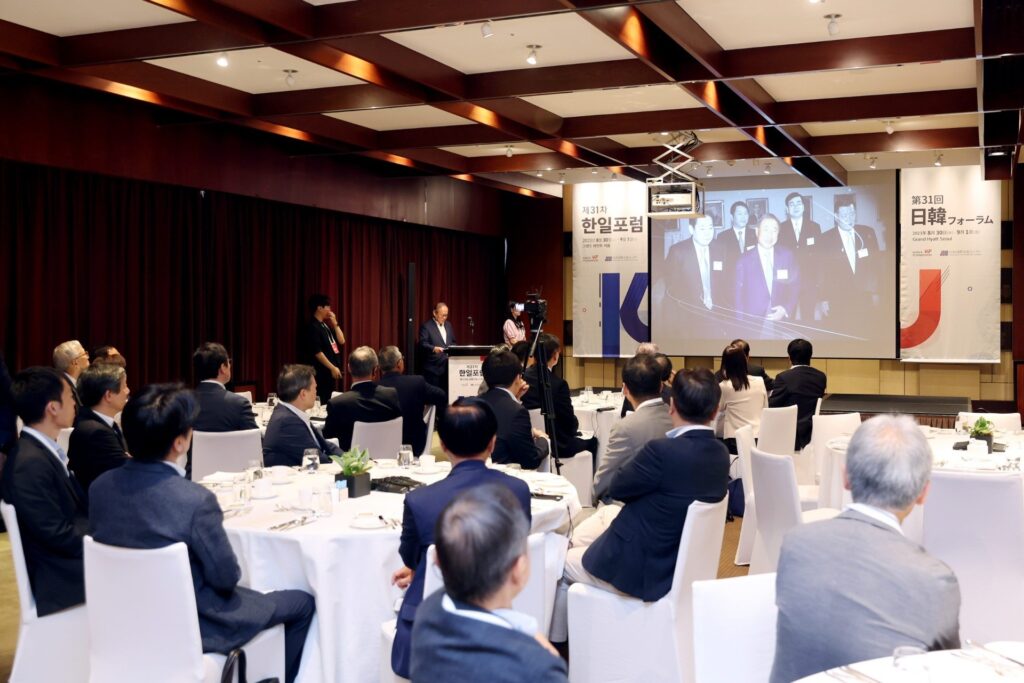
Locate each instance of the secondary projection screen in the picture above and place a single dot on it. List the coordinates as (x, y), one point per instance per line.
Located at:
(824, 270)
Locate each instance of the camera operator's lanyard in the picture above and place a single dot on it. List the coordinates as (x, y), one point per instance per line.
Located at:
(330, 335)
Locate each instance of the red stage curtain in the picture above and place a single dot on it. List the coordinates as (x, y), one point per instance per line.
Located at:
(155, 270)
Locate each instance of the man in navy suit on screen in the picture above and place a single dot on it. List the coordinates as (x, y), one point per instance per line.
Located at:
(768, 277)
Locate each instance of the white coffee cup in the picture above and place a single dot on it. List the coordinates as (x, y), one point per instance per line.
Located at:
(427, 461)
(261, 488)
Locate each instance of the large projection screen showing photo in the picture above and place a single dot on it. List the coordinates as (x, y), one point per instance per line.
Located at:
(771, 265)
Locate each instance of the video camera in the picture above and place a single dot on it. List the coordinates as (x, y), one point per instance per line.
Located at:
(536, 308)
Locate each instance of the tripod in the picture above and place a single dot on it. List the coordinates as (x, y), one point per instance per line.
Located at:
(547, 403)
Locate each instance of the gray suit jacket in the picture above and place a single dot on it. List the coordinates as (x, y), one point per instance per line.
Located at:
(852, 588)
(627, 438)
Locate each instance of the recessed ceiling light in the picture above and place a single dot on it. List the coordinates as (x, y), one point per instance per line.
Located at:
(222, 60)
(833, 23)
(508, 151)
(711, 171)
(889, 128)
(768, 168)
(531, 58)
(874, 163)
(997, 153)
(486, 30)
(594, 172)
(664, 132)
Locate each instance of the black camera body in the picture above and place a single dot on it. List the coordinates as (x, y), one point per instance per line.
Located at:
(536, 308)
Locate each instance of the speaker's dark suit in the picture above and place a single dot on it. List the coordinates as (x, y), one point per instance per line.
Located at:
(515, 437)
(435, 365)
(566, 424)
(731, 247)
(53, 519)
(94, 447)
(364, 402)
(149, 505)
(800, 386)
(423, 507)
(637, 554)
(414, 395)
(287, 436)
(810, 235)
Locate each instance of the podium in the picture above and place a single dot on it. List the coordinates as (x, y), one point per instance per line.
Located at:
(464, 364)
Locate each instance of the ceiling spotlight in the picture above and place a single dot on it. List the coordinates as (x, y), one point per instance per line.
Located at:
(731, 162)
(486, 30)
(872, 162)
(540, 174)
(561, 179)
(289, 77)
(664, 132)
(938, 160)
(508, 151)
(888, 127)
(816, 2)
(997, 153)
(594, 172)
(531, 58)
(711, 170)
(767, 168)
(833, 23)
(222, 60)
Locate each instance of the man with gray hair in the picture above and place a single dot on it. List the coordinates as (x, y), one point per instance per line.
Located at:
(854, 587)
(365, 401)
(469, 631)
(71, 359)
(97, 444)
(414, 395)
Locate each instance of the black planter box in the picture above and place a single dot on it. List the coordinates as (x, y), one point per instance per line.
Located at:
(358, 485)
(987, 439)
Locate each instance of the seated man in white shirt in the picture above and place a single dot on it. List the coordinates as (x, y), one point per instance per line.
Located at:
(290, 432)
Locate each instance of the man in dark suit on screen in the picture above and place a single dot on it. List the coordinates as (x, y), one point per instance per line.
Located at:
(768, 277)
(802, 236)
(697, 267)
(366, 401)
(97, 444)
(850, 258)
(800, 386)
(290, 431)
(414, 395)
(517, 440)
(436, 335)
(738, 239)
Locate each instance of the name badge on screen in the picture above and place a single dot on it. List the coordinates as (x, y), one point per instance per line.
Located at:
(863, 253)
(716, 265)
(810, 241)
(781, 274)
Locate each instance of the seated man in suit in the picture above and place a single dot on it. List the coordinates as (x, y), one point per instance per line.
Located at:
(70, 359)
(290, 431)
(366, 401)
(97, 444)
(469, 631)
(414, 395)
(220, 410)
(754, 370)
(52, 515)
(768, 277)
(517, 440)
(148, 503)
(107, 354)
(566, 424)
(854, 587)
(800, 386)
(468, 432)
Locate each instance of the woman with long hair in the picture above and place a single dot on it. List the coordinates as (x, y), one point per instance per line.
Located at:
(514, 330)
(743, 397)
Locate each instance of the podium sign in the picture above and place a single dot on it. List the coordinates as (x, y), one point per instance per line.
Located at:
(464, 370)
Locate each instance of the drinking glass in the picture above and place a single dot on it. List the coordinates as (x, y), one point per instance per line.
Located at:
(323, 502)
(588, 393)
(405, 455)
(271, 400)
(254, 470)
(310, 460)
(910, 661)
(316, 406)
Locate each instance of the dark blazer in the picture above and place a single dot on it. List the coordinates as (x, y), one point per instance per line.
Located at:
(364, 402)
(566, 424)
(94, 448)
(287, 436)
(752, 295)
(637, 554)
(450, 647)
(148, 505)
(53, 520)
(221, 410)
(849, 294)
(684, 282)
(423, 507)
(754, 371)
(801, 386)
(414, 395)
(731, 247)
(810, 235)
(806, 249)
(515, 439)
(74, 388)
(435, 363)
(8, 421)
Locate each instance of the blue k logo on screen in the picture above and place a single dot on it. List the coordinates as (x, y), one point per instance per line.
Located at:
(617, 318)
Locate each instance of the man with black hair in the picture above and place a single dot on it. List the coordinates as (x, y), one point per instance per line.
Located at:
(800, 386)
(414, 395)
(103, 354)
(517, 440)
(849, 256)
(220, 410)
(47, 498)
(468, 433)
(290, 431)
(566, 425)
(97, 444)
(324, 340)
(366, 401)
(148, 503)
(802, 236)
(469, 631)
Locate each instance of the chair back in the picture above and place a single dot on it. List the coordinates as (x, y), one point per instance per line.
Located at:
(1007, 422)
(25, 597)
(429, 419)
(64, 438)
(817, 407)
(974, 522)
(382, 439)
(830, 480)
(433, 580)
(225, 451)
(537, 420)
(139, 633)
(778, 430)
(246, 394)
(778, 502)
(736, 638)
(744, 444)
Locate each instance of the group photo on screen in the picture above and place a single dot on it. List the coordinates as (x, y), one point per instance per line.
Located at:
(775, 264)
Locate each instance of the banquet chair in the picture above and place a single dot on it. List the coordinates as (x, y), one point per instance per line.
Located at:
(778, 507)
(64, 438)
(1007, 422)
(974, 522)
(382, 439)
(537, 420)
(50, 648)
(428, 420)
(139, 633)
(778, 430)
(246, 394)
(335, 393)
(578, 470)
(224, 451)
(748, 530)
(620, 638)
(736, 638)
(829, 467)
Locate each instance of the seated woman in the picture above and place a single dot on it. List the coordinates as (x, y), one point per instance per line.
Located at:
(743, 397)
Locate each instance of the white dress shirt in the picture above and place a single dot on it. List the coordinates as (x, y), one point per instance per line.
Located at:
(213, 381)
(738, 409)
(506, 618)
(798, 224)
(442, 331)
(877, 514)
(305, 418)
(704, 262)
(109, 421)
(509, 392)
(850, 246)
(679, 431)
(50, 444)
(741, 238)
(767, 264)
(174, 466)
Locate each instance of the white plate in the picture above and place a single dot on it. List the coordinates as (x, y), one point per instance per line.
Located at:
(278, 481)
(428, 470)
(266, 497)
(367, 523)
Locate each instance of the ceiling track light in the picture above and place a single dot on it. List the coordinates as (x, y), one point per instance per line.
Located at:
(889, 127)
(767, 168)
(872, 163)
(486, 30)
(938, 160)
(289, 77)
(222, 60)
(531, 58)
(711, 170)
(561, 179)
(508, 151)
(998, 152)
(833, 23)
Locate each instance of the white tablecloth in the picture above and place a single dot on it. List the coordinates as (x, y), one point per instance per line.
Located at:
(348, 570)
(598, 415)
(946, 666)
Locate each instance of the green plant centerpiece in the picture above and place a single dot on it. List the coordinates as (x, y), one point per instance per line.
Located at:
(355, 470)
(982, 430)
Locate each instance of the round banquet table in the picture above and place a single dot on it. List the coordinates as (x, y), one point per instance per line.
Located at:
(598, 415)
(942, 666)
(349, 570)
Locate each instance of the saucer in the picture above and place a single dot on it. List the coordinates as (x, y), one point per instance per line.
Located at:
(367, 523)
(428, 470)
(266, 497)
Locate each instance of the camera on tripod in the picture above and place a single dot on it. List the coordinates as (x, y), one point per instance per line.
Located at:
(536, 308)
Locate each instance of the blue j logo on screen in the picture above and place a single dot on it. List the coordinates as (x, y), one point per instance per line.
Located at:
(616, 317)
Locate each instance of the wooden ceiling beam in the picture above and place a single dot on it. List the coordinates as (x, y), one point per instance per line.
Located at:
(28, 44)
(337, 98)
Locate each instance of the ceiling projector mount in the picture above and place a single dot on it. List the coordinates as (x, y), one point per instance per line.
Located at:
(675, 193)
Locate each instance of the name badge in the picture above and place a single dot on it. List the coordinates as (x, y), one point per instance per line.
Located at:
(716, 265)
(751, 247)
(334, 346)
(810, 241)
(782, 274)
(863, 253)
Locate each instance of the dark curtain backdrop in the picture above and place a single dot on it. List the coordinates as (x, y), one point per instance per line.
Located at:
(155, 270)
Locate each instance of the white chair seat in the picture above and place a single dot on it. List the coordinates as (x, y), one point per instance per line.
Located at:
(225, 451)
(736, 638)
(382, 439)
(579, 470)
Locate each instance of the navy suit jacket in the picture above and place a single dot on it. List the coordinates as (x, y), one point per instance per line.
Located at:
(801, 386)
(414, 395)
(287, 436)
(637, 554)
(94, 448)
(809, 230)
(423, 506)
(364, 402)
(515, 436)
(149, 505)
(53, 520)
(221, 410)
(752, 295)
(684, 281)
(429, 337)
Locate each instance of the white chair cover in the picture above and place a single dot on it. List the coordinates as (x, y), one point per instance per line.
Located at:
(748, 530)
(247, 394)
(64, 438)
(736, 638)
(225, 451)
(37, 657)
(537, 419)
(778, 430)
(1007, 422)
(579, 470)
(619, 638)
(830, 471)
(382, 439)
(429, 419)
(142, 634)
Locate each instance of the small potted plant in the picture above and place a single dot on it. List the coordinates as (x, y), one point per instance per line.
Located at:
(982, 430)
(355, 466)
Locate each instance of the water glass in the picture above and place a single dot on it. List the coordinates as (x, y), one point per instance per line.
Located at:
(241, 493)
(253, 470)
(588, 394)
(311, 460)
(316, 406)
(271, 400)
(323, 501)
(910, 661)
(405, 455)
